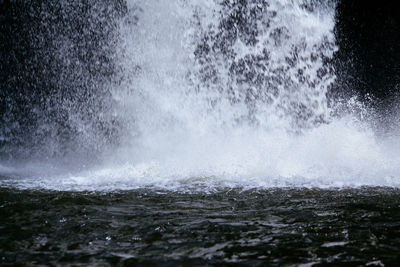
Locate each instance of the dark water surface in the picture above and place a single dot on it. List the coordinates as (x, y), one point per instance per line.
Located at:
(229, 227)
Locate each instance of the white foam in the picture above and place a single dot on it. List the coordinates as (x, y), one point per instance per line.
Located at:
(339, 154)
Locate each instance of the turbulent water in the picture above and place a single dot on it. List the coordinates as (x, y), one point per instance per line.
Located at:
(229, 228)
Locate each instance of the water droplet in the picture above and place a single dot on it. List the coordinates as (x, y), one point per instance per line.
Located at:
(136, 238)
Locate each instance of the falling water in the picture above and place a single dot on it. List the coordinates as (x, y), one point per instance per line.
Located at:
(212, 94)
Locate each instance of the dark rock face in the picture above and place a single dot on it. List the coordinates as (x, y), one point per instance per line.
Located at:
(368, 60)
(56, 66)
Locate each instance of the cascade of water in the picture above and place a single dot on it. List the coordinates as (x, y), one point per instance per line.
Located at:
(231, 65)
(231, 93)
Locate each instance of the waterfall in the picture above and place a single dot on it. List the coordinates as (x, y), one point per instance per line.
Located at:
(223, 93)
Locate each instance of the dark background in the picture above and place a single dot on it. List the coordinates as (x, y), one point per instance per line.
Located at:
(368, 61)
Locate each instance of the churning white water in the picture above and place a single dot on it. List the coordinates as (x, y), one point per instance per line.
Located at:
(221, 94)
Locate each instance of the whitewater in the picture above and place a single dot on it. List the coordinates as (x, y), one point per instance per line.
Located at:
(206, 102)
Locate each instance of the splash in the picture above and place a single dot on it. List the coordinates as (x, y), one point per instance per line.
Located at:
(228, 93)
